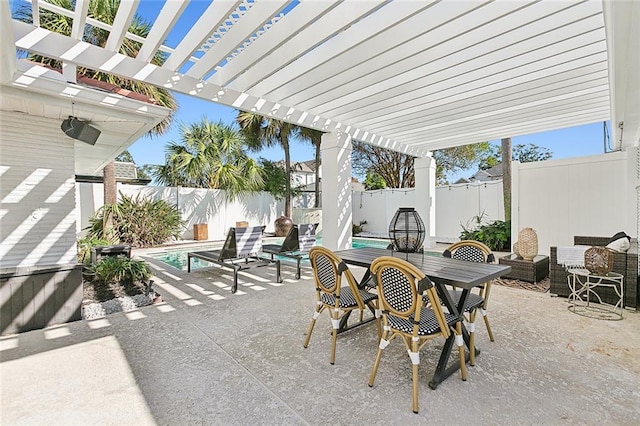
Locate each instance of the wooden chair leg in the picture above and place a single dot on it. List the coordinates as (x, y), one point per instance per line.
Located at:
(415, 363)
(335, 322)
(486, 323)
(472, 337)
(460, 343)
(334, 338)
(316, 314)
(383, 344)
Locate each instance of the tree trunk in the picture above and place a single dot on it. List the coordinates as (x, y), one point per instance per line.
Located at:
(317, 183)
(506, 177)
(110, 196)
(287, 165)
(109, 179)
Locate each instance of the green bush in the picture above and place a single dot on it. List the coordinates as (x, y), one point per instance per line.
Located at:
(117, 276)
(120, 269)
(139, 221)
(85, 245)
(356, 229)
(496, 235)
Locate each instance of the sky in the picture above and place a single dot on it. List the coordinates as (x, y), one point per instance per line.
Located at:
(564, 143)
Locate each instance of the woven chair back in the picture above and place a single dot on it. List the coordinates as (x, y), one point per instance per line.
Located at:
(401, 288)
(328, 271)
(471, 251)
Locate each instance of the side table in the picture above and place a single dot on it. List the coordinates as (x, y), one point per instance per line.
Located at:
(526, 270)
(583, 300)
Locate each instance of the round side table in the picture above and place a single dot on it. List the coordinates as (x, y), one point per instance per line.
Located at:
(583, 300)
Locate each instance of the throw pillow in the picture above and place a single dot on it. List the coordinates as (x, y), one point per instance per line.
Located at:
(619, 242)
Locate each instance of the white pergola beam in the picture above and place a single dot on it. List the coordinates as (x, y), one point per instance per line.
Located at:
(623, 41)
(499, 106)
(507, 126)
(121, 23)
(211, 19)
(292, 23)
(465, 86)
(417, 34)
(451, 102)
(79, 19)
(512, 130)
(163, 24)
(259, 14)
(7, 45)
(333, 22)
(35, 12)
(364, 34)
(500, 64)
(57, 46)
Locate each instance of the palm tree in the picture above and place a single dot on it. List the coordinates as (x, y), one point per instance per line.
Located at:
(506, 177)
(315, 137)
(260, 132)
(105, 11)
(210, 155)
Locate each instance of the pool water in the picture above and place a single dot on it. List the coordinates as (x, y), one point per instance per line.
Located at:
(178, 257)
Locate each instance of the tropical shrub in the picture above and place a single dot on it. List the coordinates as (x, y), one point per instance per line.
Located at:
(496, 235)
(356, 229)
(117, 276)
(139, 221)
(120, 269)
(85, 245)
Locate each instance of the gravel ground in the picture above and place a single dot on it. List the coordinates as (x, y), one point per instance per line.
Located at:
(93, 307)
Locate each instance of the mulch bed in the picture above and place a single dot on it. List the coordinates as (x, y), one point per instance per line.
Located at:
(541, 286)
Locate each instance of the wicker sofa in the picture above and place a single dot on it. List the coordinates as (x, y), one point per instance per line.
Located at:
(623, 263)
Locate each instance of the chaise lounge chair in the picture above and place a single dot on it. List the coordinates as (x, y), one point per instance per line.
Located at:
(241, 250)
(296, 244)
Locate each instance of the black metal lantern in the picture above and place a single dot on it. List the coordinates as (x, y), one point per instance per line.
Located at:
(407, 231)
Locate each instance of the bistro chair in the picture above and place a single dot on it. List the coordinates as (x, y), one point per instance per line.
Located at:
(473, 251)
(401, 290)
(338, 300)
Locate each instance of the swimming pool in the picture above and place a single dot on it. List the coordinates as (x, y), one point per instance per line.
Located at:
(178, 257)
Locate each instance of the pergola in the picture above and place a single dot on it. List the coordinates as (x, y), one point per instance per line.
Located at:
(412, 76)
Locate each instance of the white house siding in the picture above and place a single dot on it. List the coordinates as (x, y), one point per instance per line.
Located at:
(37, 197)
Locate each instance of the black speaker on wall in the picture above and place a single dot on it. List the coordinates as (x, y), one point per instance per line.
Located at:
(80, 130)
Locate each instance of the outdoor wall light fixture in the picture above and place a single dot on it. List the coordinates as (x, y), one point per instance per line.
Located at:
(407, 231)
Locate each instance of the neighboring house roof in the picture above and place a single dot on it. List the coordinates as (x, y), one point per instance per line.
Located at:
(463, 180)
(308, 166)
(125, 173)
(492, 173)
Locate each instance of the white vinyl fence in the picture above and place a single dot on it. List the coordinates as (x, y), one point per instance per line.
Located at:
(196, 205)
(558, 198)
(593, 195)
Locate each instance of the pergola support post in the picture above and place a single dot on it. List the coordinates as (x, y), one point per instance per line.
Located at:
(337, 216)
(425, 196)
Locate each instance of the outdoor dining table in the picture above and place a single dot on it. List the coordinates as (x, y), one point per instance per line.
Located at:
(442, 271)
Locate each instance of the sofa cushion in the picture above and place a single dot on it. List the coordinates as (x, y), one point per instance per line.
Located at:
(620, 242)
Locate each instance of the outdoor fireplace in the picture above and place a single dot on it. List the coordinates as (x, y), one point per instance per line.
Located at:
(406, 231)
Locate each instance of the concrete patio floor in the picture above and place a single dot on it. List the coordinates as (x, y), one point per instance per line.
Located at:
(206, 356)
